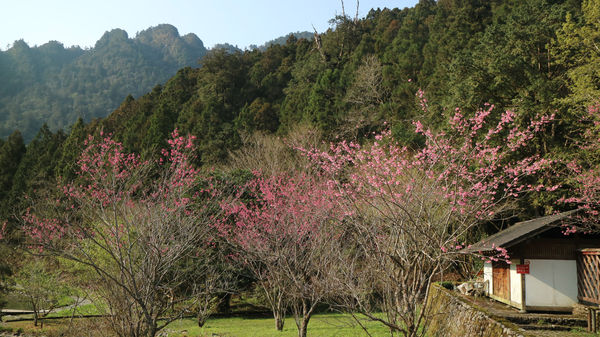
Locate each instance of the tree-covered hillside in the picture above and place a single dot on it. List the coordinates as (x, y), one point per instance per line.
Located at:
(346, 82)
(357, 75)
(56, 85)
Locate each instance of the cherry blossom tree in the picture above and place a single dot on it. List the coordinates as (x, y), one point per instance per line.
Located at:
(283, 229)
(413, 209)
(131, 223)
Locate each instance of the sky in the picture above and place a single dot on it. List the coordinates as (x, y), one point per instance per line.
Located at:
(238, 22)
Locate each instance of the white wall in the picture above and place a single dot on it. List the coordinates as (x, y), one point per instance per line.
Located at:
(487, 277)
(551, 283)
(515, 283)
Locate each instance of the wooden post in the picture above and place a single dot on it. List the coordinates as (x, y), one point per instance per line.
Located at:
(523, 304)
(589, 320)
(592, 320)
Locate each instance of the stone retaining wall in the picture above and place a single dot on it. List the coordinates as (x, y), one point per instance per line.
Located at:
(454, 318)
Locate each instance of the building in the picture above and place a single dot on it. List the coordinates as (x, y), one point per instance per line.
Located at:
(548, 270)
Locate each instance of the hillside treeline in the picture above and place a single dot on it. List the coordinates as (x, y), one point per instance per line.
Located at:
(532, 57)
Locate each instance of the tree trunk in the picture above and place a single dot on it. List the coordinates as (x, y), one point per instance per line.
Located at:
(279, 320)
(35, 316)
(411, 330)
(302, 316)
(224, 306)
(278, 309)
(152, 330)
(201, 319)
(302, 329)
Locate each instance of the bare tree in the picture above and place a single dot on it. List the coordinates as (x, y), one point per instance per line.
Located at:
(344, 10)
(311, 273)
(413, 209)
(366, 94)
(345, 34)
(131, 223)
(271, 154)
(41, 287)
(367, 88)
(396, 254)
(283, 234)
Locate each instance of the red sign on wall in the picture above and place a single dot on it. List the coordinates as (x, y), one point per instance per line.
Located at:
(523, 268)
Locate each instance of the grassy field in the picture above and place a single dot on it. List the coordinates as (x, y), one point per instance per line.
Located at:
(325, 325)
(329, 325)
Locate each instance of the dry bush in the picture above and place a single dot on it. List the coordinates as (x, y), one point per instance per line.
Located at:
(272, 155)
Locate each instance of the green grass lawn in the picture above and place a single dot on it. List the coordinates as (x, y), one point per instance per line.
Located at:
(86, 309)
(330, 325)
(326, 325)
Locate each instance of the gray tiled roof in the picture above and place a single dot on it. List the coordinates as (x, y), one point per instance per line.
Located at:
(518, 232)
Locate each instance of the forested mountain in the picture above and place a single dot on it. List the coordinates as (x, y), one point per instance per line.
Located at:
(517, 55)
(57, 85)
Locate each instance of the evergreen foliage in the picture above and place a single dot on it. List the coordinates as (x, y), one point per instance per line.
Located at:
(524, 56)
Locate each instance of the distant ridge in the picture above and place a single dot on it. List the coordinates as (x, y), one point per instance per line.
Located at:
(277, 41)
(56, 85)
(283, 39)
